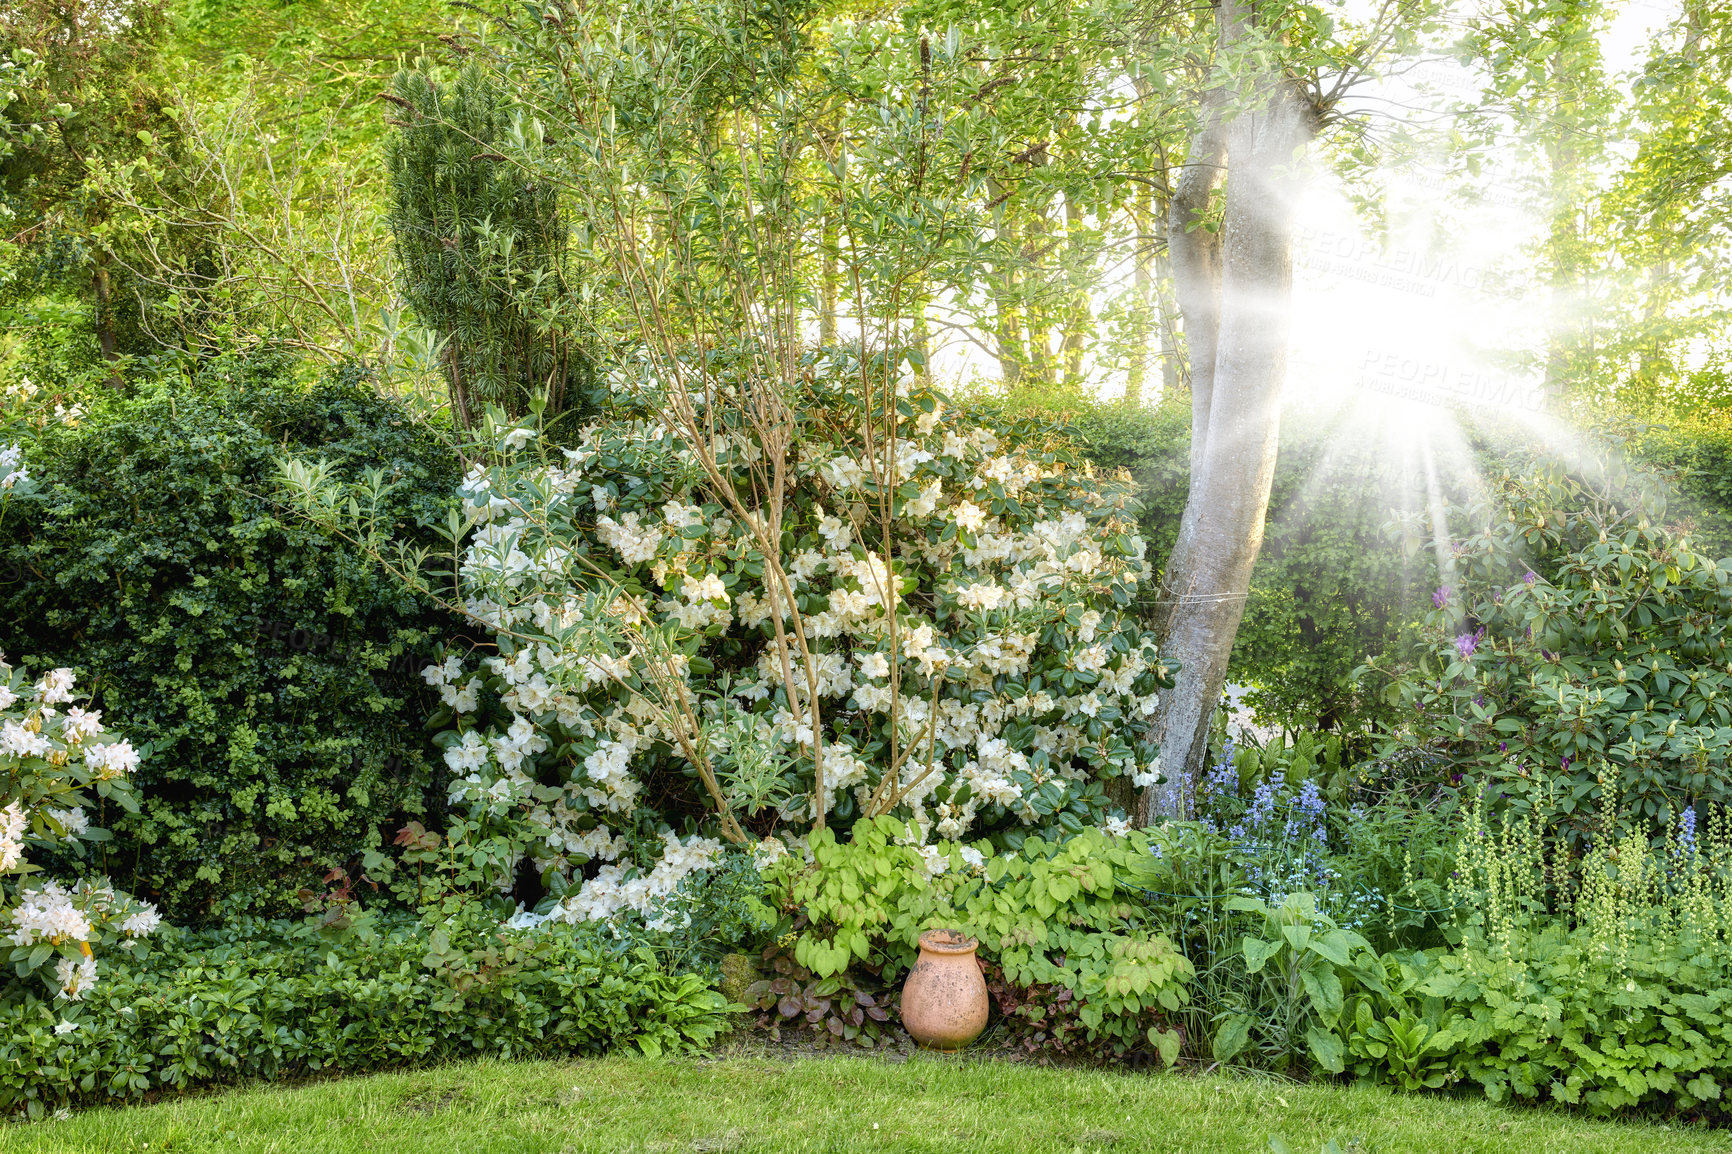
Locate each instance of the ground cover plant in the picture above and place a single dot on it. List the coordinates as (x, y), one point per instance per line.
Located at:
(265, 1001)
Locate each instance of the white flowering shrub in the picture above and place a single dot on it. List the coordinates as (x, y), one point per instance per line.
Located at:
(54, 756)
(942, 627)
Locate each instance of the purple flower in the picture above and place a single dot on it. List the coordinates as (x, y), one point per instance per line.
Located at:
(1468, 642)
(1503, 747)
(1687, 830)
(1441, 597)
(1530, 577)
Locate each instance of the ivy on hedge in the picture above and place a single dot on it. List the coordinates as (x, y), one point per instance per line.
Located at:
(269, 667)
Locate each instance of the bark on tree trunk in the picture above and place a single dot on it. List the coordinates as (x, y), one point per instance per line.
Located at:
(1236, 385)
(1167, 318)
(829, 280)
(1078, 320)
(1195, 254)
(1143, 294)
(102, 287)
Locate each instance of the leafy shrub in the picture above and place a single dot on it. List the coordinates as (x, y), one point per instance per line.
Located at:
(1697, 454)
(1580, 637)
(962, 637)
(51, 763)
(278, 1000)
(252, 652)
(480, 247)
(1050, 916)
(1297, 960)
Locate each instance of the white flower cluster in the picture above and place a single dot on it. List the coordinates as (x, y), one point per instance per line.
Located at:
(616, 889)
(12, 468)
(49, 755)
(54, 915)
(980, 633)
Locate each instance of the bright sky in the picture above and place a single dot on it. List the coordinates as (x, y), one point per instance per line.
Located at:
(1443, 308)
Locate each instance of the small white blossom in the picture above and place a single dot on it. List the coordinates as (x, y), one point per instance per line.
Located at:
(76, 978)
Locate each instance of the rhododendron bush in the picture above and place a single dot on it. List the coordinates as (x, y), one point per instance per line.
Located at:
(54, 755)
(931, 623)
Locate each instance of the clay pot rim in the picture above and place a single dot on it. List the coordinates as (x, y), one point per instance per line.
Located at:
(947, 942)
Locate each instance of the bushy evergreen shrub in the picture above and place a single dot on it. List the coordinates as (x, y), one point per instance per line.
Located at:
(266, 666)
(1581, 647)
(1699, 452)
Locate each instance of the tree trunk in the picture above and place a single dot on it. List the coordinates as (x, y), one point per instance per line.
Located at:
(922, 334)
(1143, 299)
(1078, 321)
(1195, 254)
(1007, 311)
(829, 279)
(1568, 126)
(1236, 386)
(1037, 301)
(102, 287)
(1172, 353)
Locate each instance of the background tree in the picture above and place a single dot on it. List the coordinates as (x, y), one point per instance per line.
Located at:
(1279, 75)
(91, 101)
(481, 249)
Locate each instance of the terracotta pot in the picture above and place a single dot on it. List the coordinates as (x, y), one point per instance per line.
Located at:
(944, 999)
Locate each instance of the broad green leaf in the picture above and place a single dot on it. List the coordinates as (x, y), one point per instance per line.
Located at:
(1231, 1037)
(1326, 1048)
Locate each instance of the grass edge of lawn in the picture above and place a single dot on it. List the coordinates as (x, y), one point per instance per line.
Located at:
(722, 1103)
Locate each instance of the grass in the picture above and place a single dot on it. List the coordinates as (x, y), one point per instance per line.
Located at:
(742, 1105)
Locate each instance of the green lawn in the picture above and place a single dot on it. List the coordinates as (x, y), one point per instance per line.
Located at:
(836, 1104)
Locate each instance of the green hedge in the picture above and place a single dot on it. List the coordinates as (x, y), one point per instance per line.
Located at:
(269, 667)
(276, 1001)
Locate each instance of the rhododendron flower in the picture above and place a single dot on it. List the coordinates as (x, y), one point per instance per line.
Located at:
(969, 517)
(48, 915)
(12, 468)
(116, 759)
(141, 922)
(17, 741)
(55, 686)
(76, 978)
(13, 822)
